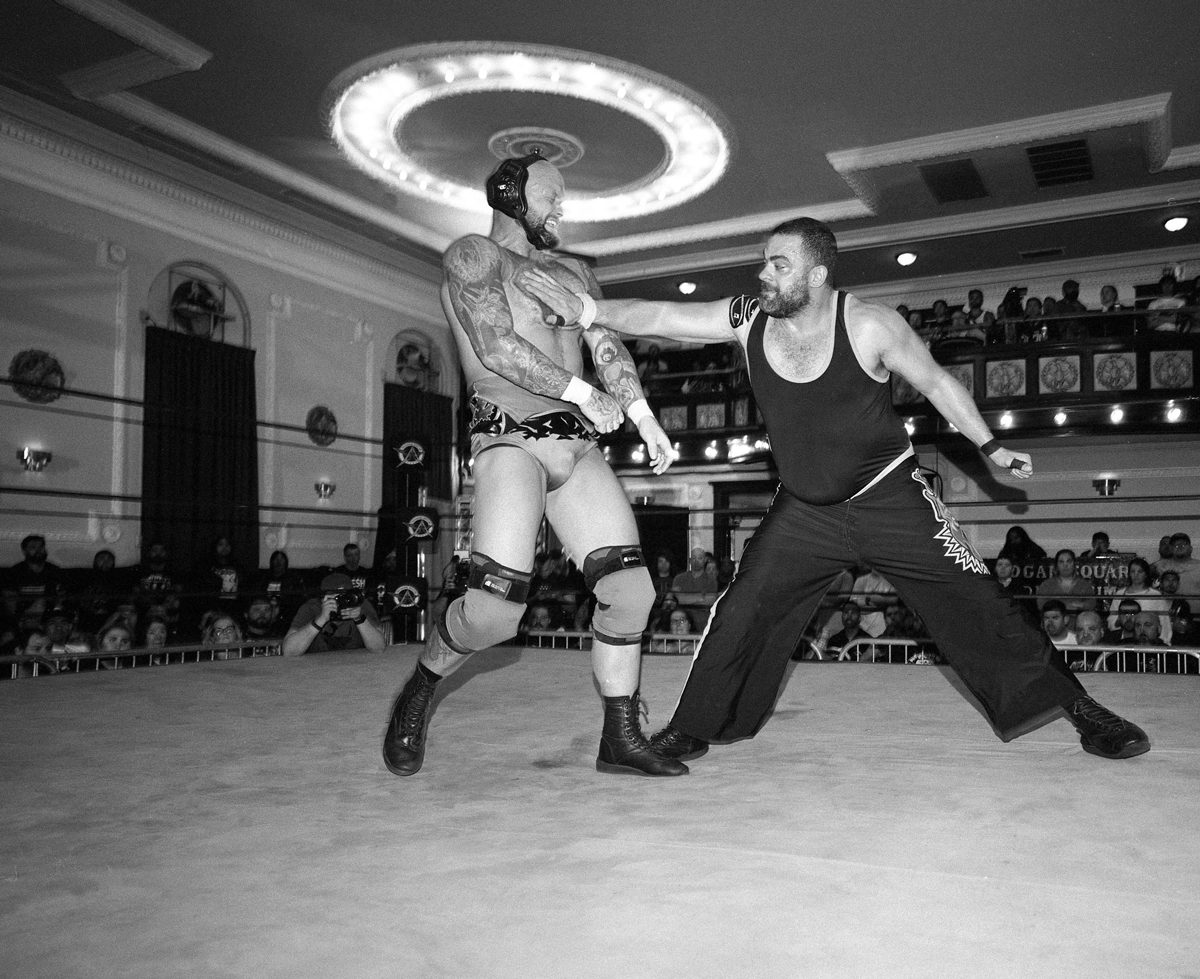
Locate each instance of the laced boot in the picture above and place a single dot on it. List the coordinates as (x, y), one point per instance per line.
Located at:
(404, 743)
(1103, 733)
(624, 749)
(670, 742)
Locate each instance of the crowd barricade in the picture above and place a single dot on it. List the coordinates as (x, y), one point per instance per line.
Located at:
(867, 649)
(557, 639)
(671, 644)
(1142, 659)
(16, 666)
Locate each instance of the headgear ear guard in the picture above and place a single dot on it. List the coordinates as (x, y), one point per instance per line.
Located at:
(506, 185)
(506, 193)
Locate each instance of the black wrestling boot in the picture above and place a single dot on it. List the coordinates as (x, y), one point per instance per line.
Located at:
(1103, 733)
(624, 749)
(404, 743)
(670, 742)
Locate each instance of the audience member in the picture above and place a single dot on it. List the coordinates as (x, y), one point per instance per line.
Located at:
(155, 583)
(1163, 317)
(976, 314)
(35, 648)
(1182, 563)
(1017, 589)
(663, 576)
(851, 628)
(321, 625)
(32, 578)
(1123, 634)
(1022, 551)
(1149, 599)
(698, 579)
(1089, 632)
(541, 617)
(1069, 329)
(219, 630)
(352, 568)
(662, 621)
(156, 632)
(262, 619)
(223, 580)
(1076, 593)
(873, 592)
(1146, 630)
(1185, 631)
(1055, 624)
(100, 590)
(1109, 301)
(1101, 547)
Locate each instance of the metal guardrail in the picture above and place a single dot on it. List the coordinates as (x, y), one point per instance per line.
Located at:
(14, 667)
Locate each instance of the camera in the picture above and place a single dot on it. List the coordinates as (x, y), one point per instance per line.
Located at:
(347, 601)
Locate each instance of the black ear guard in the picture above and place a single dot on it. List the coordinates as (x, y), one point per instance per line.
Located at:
(506, 186)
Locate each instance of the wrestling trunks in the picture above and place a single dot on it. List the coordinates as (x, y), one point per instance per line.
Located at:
(490, 419)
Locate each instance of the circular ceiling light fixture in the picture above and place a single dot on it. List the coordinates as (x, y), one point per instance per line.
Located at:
(686, 288)
(368, 102)
(906, 258)
(1175, 224)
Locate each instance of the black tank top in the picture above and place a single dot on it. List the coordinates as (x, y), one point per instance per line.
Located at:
(832, 435)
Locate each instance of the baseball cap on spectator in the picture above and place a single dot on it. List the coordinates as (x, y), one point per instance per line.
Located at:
(335, 582)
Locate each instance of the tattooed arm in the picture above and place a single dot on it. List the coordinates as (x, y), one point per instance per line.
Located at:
(473, 269)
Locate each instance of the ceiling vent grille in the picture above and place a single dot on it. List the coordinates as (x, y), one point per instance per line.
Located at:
(954, 180)
(1036, 254)
(1054, 164)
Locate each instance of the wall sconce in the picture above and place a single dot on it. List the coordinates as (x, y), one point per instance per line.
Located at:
(324, 489)
(34, 460)
(1106, 485)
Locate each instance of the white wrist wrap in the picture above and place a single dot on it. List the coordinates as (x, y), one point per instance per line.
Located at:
(588, 316)
(578, 391)
(639, 410)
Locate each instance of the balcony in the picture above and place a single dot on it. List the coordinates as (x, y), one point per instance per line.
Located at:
(1112, 373)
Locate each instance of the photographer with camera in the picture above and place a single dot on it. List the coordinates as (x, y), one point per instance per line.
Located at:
(341, 618)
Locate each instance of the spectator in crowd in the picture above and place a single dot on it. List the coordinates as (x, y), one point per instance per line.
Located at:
(1022, 551)
(1146, 630)
(680, 627)
(1069, 329)
(320, 625)
(1182, 563)
(874, 593)
(1123, 633)
(1010, 317)
(976, 315)
(1114, 320)
(1149, 599)
(1185, 632)
(32, 578)
(1162, 317)
(1165, 550)
(939, 314)
(59, 623)
(959, 336)
(851, 628)
(1055, 624)
(1033, 318)
(282, 585)
(1076, 593)
(35, 648)
(114, 637)
(156, 583)
(1168, 584)
(223, 580)
(220, 629)
(663, 576)
(1017, 588)
(541, 617)
(1109, 300)
(903, 310)
(262, 619)
(1089, 632)
(1101, 547)
(352, 568)
(680, 623)
(99, 590)
(651, 364)
(698, 579)
(156, 632)
(662, 621)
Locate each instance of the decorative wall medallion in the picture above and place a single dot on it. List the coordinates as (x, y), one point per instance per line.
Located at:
(1006, 379)
(710, 415)
(964, 374)
(37, 376)
(1058, 375)
(1171, 369)
(673, 418)
(1114, 372)
(321, 425)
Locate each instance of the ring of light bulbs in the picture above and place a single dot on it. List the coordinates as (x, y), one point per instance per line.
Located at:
(368, 102)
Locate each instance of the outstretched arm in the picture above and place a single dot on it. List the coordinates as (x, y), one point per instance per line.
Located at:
(686, 322)
(473, 269)
(900, 350)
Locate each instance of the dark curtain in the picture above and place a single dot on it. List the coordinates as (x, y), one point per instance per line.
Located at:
(199, 449)
(410, 414)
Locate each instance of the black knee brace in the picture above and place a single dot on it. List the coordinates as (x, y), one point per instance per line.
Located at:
(624, 593)
(495, 579)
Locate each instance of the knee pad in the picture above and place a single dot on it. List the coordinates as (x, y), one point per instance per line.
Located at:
(491, 610)
(624, 593)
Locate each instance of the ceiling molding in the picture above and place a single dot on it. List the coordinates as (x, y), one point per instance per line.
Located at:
(162, 52)
(1153, 109)
(752, 224)
(951, 226)
(73, 171)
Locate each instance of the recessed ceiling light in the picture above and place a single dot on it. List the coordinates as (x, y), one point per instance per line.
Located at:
(1175, 224)
(687, 288)
(906, 258)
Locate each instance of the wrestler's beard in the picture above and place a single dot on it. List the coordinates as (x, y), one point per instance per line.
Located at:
(538, 235)
(784, 304)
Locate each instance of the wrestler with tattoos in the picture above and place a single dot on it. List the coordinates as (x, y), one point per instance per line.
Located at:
(533, 441)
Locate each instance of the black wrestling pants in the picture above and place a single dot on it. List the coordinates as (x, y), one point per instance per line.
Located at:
(899, 528)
